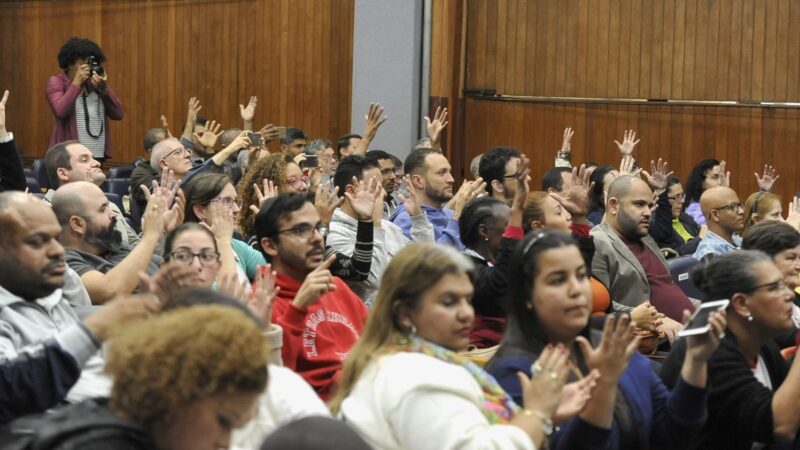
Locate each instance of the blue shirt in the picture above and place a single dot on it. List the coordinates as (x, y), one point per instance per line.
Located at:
(714, 244)
(445, 227)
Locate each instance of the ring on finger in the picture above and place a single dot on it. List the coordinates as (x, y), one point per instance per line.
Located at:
(536, 369)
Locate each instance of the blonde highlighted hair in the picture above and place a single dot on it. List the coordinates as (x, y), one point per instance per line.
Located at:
(414, 270)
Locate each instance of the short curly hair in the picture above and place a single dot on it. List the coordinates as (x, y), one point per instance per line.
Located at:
(273, 167)
(76, 48)
(162, 365)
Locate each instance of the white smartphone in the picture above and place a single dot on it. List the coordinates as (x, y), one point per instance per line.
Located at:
(698, 324)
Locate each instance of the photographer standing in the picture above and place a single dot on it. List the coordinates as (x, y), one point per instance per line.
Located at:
(81, 99)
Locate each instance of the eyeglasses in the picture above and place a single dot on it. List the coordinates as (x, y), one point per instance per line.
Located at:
(227, 201)
(304, 230)
(185, 256)
(177, 150)
(774, 286)
(731, 206)
(513, 175)
(295, 182)
(678, 197)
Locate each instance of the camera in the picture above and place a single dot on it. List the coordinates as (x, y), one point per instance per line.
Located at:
(95, 66)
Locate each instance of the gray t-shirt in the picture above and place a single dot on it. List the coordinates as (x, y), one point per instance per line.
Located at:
(83, 262)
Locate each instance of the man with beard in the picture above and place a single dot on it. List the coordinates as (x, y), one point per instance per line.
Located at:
(431, 180)
(627, 260)
(498, 167)
(71, 161)
(44, 348)
(390, 180)
(94, 246)
(320, 316)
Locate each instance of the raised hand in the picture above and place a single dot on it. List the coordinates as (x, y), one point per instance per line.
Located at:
(576, 395)
(566, 146)
(327, 200)
(171, 278)
(468, 191)
(175, 215)
(725, 175)
(700, 347)
(436, 126)
(317, 283)
(576, 199)
(193, 111)
(263, 293)
(410, 202)
(270, 133)
(165, 126)
(210, 136)
(153, 216)
(542, 393)
(521, 195)
(766, 181)
(242, 141)
(373, 121)
(249, 111)
(230, 285)
(168, 187)
(658, 179)
(628, 166)
(270, 190)
(793, 218)
(629, 142)
(364, 199)
(615, 350)
(3, 132)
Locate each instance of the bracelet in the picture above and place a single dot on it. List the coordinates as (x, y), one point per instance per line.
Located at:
(547, 423)
(564, 155)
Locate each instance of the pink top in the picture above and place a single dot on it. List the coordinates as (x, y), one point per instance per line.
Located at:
(61, 95)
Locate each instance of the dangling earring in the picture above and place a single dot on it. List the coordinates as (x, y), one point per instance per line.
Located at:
(749, 317)
(486, 239)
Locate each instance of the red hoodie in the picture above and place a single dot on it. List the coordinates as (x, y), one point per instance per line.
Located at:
(316, 340)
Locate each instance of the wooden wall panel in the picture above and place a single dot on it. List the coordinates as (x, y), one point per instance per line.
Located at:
(747, 138)
(677, 49)
(295, 55)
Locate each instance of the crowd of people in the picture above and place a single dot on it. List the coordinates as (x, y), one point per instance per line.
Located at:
(330, 295)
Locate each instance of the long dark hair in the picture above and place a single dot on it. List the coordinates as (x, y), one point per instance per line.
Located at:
(200, 190)
(694, 184)
(596, 197)
(524, 333)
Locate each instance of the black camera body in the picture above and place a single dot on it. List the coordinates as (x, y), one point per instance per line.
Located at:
(95, 67)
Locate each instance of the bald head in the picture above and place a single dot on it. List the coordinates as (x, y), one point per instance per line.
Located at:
(628, 209)
(716, 197)
(69, 201)
(621, 186)
(13, 208)
(228, 136)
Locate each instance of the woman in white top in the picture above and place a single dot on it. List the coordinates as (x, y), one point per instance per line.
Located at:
(404, 385)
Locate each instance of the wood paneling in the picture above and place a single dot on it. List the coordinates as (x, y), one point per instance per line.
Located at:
(747, 138)
(295, 55)
(678, 49)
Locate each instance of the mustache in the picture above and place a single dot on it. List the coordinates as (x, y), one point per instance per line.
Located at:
(53, 264)
(316, 249)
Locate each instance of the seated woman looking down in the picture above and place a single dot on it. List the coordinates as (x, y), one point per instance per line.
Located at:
(404, 385)
(630, 408)
(754, 396)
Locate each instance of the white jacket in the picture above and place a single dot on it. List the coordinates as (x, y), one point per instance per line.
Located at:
(387, 241)
(414, 401)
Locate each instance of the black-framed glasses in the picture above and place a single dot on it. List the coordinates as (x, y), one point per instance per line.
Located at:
(227, 201)
(773, 286)
(186, 256)
(731, 206)
(678, 197)
(304, 230)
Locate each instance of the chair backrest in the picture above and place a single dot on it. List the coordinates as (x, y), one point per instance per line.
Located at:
(33, 185)
(115, 199)
(40, 172)
(679, 269)
(136, 215)
(117, 186)
(120, 172)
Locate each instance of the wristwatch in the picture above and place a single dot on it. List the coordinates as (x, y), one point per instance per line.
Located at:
(547, 423)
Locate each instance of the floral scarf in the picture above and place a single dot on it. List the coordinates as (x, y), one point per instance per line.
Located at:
(498, 407)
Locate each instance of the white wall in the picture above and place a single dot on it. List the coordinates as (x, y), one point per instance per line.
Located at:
(387, 66)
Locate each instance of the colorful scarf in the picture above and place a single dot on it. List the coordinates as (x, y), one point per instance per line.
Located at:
(497, 406)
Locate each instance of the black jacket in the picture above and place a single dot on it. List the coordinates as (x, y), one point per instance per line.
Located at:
(491, 283)
(12, 174)
(665, 236)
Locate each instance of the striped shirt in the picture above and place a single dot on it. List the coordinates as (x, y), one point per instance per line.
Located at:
(97, 114)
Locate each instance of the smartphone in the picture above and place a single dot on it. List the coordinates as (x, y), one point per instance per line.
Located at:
(281, 132)
(256, 140)
(311, 162)
(698, 324)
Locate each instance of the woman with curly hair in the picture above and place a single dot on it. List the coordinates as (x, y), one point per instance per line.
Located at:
(80, 98)
(182, 381)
